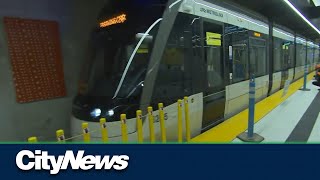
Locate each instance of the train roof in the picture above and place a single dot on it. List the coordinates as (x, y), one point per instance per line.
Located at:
(281, 14)
(277, 11)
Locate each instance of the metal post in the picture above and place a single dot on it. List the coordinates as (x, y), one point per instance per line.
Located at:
(151, 125)
(187, 118)
(104, 130)
(124, 128)
(139, 126)
(162, 123)
(305, 78)
(86, 132)
(250, 136)
(180, 131)
(60, 135)
(33, 140)
(252, 92)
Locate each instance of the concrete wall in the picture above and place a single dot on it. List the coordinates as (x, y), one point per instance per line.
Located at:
(43, 118)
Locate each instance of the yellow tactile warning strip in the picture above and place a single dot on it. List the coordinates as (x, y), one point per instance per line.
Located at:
(231, 128)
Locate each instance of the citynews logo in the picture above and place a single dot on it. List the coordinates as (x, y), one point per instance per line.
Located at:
(40, 160)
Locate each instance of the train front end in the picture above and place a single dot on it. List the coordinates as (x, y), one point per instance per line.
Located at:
(112, 78)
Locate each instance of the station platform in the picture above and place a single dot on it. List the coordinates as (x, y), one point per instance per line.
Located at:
(293, 118)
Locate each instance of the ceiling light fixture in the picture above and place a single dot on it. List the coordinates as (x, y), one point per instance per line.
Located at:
(301, 15)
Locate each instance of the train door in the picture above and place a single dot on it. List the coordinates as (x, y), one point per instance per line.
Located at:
(285, 64)
(214, 87)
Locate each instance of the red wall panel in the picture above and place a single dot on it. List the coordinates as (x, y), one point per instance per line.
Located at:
(35, 54)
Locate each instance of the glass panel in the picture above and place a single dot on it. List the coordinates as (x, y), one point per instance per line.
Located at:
(286, 55)
(277, 54)
(283, 54)
(240, 63)
(110, 65)
(213, 56)
(172, 82)
(301, 55)
(133, 82)
(236, 40)
(316, 56)
(310, 53)
(258, 57)
(291, 55)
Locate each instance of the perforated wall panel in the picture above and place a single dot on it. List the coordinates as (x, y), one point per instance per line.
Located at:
(35, 54)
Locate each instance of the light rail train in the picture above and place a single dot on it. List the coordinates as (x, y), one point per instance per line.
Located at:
(141, 54)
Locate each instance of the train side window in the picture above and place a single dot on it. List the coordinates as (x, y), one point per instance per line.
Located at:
(213, 53)
(236, 43)
(173, 79)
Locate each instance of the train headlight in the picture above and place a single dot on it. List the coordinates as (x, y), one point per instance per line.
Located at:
(111, 112)
(96, 112)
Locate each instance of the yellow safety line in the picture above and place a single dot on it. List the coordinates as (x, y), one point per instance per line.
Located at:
(231, 128)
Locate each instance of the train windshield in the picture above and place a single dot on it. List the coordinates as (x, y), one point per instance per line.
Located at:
(109, 67)
(120, 50)
(131, 65)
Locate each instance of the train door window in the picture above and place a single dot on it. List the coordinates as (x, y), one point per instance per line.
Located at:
(310, 56)
(291, 54)
(300, 55)
(236, 43)
(173, 79)
(258, 56)
(277, 54)
(213, 51)
(285, 55)
(304, 55)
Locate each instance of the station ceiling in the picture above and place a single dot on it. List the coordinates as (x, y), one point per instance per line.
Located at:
(281, 13)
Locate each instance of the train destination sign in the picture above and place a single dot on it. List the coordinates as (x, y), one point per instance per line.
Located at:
(116, 20)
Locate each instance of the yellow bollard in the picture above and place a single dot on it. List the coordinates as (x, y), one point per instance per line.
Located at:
(104, 130)
(60, 135)
(86, 133)
(124, 131)
(151, 124)
(187, 117)
(32, 139)
(162, 123)
(139, 126)
(180, 133)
